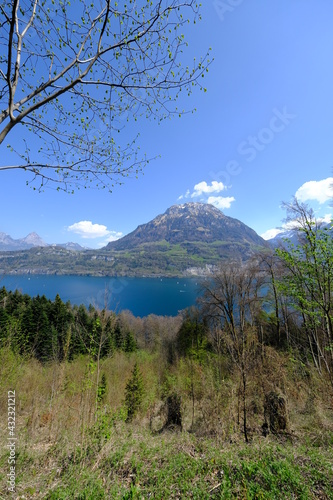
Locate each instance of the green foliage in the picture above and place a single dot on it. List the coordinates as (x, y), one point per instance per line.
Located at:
(104, 427)
(307, 284)
(144, 466)
(134, 393)
(129, 344)
(52, 330)
(310, 277)
(192, 338)
(118, 336)
(101, 389)
(90, 487)
(118, 459)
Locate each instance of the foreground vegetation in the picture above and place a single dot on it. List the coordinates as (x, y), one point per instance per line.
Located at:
(69, 448)
(231, 399)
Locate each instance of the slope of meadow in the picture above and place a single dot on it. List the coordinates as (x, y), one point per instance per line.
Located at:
(71, 444)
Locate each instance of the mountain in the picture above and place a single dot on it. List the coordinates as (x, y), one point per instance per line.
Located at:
(294, 237)
(278, 240)
(7, 243)
(74, 247)
(33, 240)
(186, 240)
(189, 223)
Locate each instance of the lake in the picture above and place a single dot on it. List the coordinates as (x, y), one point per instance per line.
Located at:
(142, 296)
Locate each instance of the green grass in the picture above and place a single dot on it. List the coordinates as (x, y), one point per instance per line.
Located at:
(74, 455)
(137, 464)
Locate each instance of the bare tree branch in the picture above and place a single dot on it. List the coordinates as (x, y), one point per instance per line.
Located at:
(71, 72)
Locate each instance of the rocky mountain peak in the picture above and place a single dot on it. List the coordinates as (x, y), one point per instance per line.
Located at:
(194, 209)
(34, 239)
(189, 222)
(7, 243)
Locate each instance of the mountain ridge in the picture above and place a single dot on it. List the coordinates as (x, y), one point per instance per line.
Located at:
(32, 240)
(7, 243)
(188, 222)
(186, 240)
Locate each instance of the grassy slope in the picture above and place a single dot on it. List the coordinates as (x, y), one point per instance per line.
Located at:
(135, 464)
(66, 451)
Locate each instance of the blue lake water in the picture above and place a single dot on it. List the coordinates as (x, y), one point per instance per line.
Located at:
(142, 296)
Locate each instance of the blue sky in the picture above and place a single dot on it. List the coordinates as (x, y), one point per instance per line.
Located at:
(261, 134)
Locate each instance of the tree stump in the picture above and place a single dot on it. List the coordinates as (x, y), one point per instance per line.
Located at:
(275, 413)
(174, 412)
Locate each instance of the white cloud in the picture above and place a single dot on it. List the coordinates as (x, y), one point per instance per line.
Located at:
(320, 191)
(271, 233)
(220, 201)
(113, 236)
(286, 227)
(326, 219)
(204, 188)
(86, 229)
(186, 195)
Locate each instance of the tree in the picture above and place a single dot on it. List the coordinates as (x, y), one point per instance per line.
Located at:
(191, 339)
(308, 281)
(61, 317)
(71, 73)
(231, 302)
(134, 392)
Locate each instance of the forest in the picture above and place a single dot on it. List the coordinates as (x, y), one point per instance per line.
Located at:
(230, 399)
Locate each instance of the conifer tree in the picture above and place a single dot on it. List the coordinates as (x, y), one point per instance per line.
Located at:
(134, 392)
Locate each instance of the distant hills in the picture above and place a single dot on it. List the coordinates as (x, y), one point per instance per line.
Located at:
(8, 243)
(32, 240)
(278, 240)
(294, 237)
(187, 239)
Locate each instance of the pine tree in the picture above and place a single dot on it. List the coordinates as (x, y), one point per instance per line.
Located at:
(129, 343)
(134, 392)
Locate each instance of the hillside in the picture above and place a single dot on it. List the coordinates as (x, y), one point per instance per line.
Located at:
(189, 223)
(160, 411)
(187, 240)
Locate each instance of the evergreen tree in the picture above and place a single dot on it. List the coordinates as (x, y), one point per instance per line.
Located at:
(134, 392)
(118, 336)
(192, 336)
(61, 318)
(129, 343)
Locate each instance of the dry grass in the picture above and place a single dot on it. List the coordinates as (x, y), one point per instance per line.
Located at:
(60, 435)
